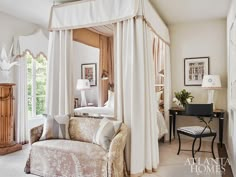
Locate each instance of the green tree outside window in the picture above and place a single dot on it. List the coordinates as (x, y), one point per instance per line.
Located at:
(36, 84)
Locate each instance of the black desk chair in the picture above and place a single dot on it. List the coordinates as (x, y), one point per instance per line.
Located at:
(198, 110)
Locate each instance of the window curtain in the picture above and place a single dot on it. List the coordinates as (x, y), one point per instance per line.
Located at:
(111, 63)
(103, 62)
(159, 59)
(134, 89)
(106, 64)
(60, 85)
(21, 122)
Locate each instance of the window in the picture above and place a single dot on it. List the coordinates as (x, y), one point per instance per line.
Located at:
(36, 84)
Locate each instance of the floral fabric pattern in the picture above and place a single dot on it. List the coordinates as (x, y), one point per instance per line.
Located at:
(67, 158)
(35, 133)
(73, 158)
(117, 166)
(83, 129)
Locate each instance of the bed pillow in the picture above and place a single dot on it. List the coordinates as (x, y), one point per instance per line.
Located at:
(105, 104)
(55, 127)
(109, 93)
(158, 97)
(110, 101)
(106, 132)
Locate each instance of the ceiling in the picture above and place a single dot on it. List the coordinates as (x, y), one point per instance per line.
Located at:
(34, 11)
(172, 11)
(184, 11)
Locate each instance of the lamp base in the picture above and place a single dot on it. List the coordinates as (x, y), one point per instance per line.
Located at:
(211, 98)
(83, 99)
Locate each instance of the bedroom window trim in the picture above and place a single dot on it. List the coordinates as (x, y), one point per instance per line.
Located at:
(33, 96)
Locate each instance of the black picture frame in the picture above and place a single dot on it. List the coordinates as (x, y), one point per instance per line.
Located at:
(194, 70)
(89, 71)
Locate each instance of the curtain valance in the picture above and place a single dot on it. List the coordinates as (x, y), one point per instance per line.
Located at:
(36, 43)
(89, 13)
(84, 14)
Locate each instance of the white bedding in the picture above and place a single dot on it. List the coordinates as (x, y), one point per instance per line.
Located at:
(109, 112)
(95, 111)
(161, 124)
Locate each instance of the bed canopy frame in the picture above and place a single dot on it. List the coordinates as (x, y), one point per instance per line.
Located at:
(136, 24)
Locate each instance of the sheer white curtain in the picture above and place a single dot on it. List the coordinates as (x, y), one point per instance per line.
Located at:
(167, 83)
(21, 122)
(60, 73)
(159, 58)
(161, 53)
(135, 100)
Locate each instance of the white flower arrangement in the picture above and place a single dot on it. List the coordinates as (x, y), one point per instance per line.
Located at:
(182, 98)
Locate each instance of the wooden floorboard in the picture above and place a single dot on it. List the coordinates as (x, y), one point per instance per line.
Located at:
(223, 154)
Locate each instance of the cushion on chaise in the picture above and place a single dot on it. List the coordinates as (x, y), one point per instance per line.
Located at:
(67, 158)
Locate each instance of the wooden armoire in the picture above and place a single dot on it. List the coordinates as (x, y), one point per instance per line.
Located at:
(7, 144)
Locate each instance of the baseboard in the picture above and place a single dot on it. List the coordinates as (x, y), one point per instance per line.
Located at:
(10, 149)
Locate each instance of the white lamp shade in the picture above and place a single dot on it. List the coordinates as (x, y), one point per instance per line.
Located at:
(82, 84)
(211, 82)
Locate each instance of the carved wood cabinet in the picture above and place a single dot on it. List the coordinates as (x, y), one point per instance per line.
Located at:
(7, 144)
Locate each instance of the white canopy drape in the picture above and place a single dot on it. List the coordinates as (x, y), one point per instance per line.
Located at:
(161, 52)
(83, 14)
(60, 74)
(135, 93)
(167, 83)
(134, 68)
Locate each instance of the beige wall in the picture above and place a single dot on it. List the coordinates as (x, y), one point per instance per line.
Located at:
(199, 39)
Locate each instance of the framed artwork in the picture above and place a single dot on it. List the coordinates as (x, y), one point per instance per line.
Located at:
(194, 70)
(89, 71)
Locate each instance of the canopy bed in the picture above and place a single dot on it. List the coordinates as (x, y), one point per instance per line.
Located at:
(136, 26)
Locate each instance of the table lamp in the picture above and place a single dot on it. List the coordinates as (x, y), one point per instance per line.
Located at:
(211, 82)
(82, 85)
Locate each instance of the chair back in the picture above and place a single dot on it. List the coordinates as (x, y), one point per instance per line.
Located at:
(199, 110)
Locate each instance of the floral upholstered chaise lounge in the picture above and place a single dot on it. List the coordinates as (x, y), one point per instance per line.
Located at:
(79, 156)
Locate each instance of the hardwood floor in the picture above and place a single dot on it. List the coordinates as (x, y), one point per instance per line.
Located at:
(223, 154)
(171, 164)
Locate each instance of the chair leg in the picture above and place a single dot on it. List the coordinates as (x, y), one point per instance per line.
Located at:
(212, 147)
(193, 153)
(200, 144)
(179, 143)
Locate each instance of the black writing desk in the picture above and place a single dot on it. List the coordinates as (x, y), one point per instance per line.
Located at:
(175, 111)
